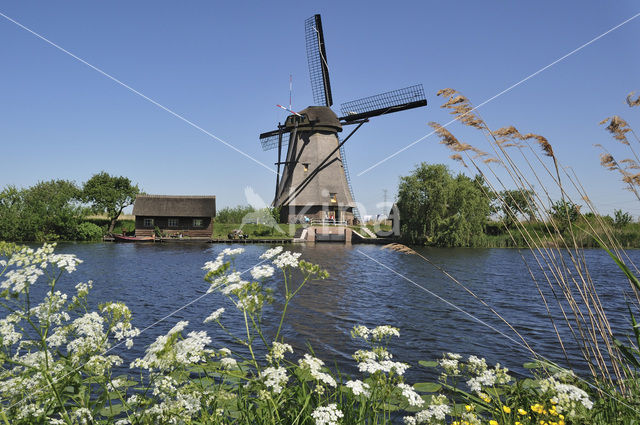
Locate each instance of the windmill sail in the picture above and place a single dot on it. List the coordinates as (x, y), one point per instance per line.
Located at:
(317, 59)
(384, 103)
(270, 140)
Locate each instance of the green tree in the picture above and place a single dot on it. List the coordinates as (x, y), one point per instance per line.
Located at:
(11, 207)
(440, 209)
(51, 210)
(564, 213)
(621, 219)
(515, 203)
(109, 195)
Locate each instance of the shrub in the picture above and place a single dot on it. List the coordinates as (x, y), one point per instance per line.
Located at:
(87, 231)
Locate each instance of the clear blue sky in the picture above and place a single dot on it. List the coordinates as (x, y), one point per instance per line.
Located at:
(224, 65)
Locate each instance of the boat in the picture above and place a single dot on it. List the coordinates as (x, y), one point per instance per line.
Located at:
(123, 238)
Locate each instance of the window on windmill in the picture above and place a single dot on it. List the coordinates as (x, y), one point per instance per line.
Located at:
(148, 222)
(306, 166)
(173, 222)
(197, 222)
(334, 197)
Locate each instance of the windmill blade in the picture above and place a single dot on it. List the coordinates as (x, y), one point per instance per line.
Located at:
(384, 103)
(269, 140)
(317, 59)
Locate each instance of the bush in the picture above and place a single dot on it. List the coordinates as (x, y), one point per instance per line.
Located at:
(87, 231)
(233, 215)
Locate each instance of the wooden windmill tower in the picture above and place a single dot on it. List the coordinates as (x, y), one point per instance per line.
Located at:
(314, 182)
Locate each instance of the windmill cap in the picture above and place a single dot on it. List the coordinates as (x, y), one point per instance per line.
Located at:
(315, 118)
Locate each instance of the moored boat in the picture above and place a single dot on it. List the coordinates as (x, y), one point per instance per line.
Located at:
(123, 238)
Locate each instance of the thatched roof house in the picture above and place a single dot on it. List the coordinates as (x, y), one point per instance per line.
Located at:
(190, 216)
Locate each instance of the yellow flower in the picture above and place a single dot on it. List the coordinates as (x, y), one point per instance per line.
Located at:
(522, 412)
(493, 422)
(468, 407)
(537, 408)
(561, 416)
(560, 422)
(487, 399)
(506, 409)
(518, 423)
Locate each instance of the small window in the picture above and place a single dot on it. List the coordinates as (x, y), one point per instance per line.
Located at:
(334, 197)
(173, 222)
(306, 166)
(197, 222)
(148, 222)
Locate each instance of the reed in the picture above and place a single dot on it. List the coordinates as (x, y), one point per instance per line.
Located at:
(527, 162)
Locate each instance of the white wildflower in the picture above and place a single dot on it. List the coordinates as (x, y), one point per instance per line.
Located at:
(231, 252)
(224, 352)
(270, 253)
(262, 272)
(275, 378)
(358, 387)
(278, 351)
(287, 259)
(360, 331)
(228, 363)
(413, 398)
(327, 415)
(384, 331)
(212, 266)
(314, 365)
(214, 316)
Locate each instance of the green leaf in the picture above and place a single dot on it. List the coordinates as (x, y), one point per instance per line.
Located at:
(627, 353)
(427, 387)
(428, 364)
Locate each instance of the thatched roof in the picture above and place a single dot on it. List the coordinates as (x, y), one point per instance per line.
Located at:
(175, 206)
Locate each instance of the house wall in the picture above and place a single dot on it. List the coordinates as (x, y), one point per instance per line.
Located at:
(184, 226)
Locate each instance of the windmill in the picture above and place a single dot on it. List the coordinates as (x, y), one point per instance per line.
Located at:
(315, 182)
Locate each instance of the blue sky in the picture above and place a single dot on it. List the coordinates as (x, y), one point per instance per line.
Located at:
(224, 66)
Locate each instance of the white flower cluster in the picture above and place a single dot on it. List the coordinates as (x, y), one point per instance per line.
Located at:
(213, 266)
(214, 316)
(270, 253)
(358, 387)
(566, 396)
(275, 378)
(314, 365)
(413, 398)
(262, 272)
(278, 351)
(485, 377)
(378, 360)
(89, 334)
(376, 334)
(287, 259)
(438, 409)
(450, 363)
(327, 415)
(167, 351)
(228, 363)
(234, 283)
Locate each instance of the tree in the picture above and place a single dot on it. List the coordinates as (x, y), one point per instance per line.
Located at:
(514, 203)
(621, 219)
(109, 194)
(564, 214)
(51, 210)
(440, 209)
